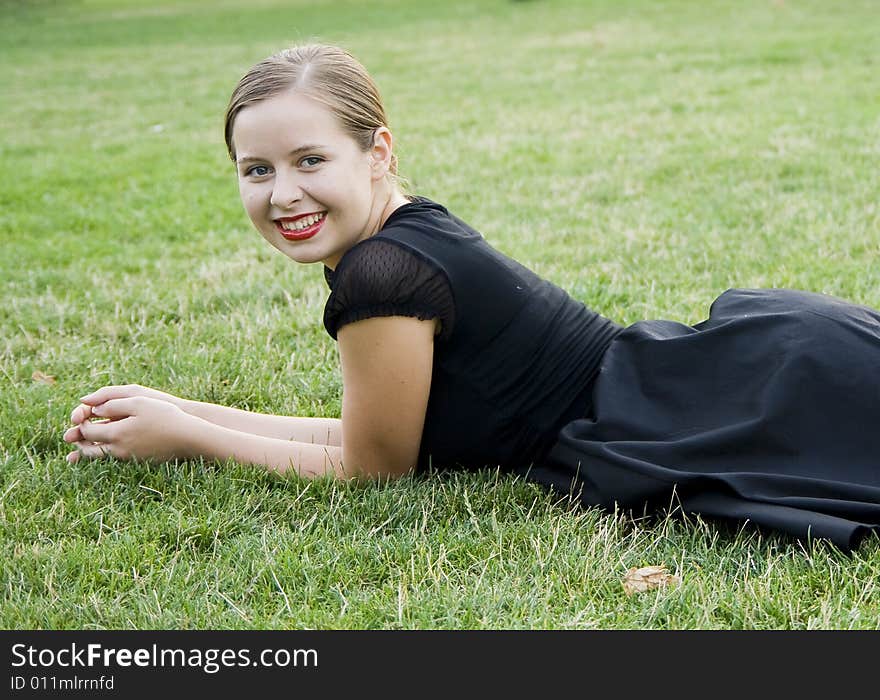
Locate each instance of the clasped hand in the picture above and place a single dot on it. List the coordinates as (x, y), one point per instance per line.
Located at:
(134, 423)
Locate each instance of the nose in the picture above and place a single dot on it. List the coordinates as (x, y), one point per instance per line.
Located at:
(286, 191)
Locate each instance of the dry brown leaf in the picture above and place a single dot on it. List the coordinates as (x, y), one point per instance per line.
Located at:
(639, 580)
(38, 376)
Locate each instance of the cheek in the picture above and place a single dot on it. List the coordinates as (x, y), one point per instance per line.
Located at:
(251, 198)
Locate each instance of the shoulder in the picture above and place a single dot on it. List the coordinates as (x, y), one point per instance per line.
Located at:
(407, 269)
(378, 266)
(414, 228)
(430, 218)
(383, 276)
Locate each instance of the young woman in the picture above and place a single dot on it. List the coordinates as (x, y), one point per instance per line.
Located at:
(453, 354)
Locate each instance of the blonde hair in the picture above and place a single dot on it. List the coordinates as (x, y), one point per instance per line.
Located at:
(328, 74)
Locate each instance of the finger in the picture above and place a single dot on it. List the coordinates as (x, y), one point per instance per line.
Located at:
(105, 393)
(88, 450)
(98, 431)
(81, 413)
(73, 457)
(72, 434)
(119, 408)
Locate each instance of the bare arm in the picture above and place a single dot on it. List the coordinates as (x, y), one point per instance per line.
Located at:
(387, 366)
(150, 429)
(320, 431)
(276, 455)
(387, 363)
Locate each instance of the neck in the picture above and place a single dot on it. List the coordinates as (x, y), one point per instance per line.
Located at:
(384, 205)
(395, 200)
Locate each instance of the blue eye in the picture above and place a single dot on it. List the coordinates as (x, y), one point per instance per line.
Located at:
(257, 171)
(311, 161)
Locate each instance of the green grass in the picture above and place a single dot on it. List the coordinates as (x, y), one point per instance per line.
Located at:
(644, 155)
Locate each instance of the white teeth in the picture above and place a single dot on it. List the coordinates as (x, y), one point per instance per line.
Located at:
(303, 223)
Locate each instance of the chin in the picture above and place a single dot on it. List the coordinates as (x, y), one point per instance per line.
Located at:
(302, 257)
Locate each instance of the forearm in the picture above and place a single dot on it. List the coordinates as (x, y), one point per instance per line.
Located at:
(309, 460)
(318, 431)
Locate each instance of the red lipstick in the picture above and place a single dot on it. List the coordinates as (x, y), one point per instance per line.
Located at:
(300, 234)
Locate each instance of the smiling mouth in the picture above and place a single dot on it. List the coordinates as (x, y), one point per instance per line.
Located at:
(301, 227)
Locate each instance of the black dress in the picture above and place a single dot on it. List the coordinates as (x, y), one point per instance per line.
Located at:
(768, 411)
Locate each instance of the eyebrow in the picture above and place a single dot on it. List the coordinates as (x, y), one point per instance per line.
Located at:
(295, 151)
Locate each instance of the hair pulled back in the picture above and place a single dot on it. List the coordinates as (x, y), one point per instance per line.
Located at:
(327, 74)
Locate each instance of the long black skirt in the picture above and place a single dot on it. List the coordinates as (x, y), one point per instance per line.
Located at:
(768, 412)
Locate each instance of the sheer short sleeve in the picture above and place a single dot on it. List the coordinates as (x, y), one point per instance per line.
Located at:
(378, 277)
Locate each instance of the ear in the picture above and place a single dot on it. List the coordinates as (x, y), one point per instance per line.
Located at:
(381, 151)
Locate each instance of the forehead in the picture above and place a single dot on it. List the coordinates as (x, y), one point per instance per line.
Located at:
(285, 122)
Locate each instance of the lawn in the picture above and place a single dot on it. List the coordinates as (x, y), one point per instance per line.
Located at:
(645, 156)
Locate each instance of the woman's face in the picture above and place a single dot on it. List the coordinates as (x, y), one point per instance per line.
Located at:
(307, 186)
